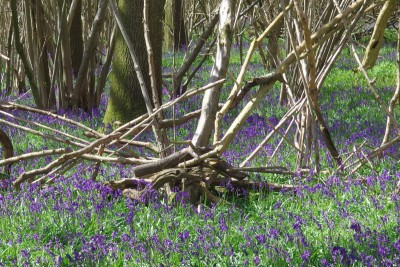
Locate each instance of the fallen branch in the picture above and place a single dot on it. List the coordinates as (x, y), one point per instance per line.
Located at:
(158, 165)
(147, 145)
(14, 106)
(376, 152)
(28, 175)
(39, 154)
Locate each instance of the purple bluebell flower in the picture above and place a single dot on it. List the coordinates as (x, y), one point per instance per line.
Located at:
(222, 224)
(396, 245)
(183, 236)
(355, 226)
(305, 255)
(261, 238)
(256, 261)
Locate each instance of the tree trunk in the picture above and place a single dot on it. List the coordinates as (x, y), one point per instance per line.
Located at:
(168, 24)
(80, 92)
(20, 50)
(375, 43)
(8, 150)
(76, 39)
(396, 95)
(43, 81)
(220, 68)
(105, 69)
(174, 28)
(180, 38)
(67, 83)
(126, 101)
(9, 65)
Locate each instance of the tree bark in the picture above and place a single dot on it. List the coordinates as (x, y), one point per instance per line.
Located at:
(66, 42)
(168, 24)
(7, 148)
(396, 95)
(105, 69)
(220, 68)
(76, 38)
(43, 75)
(180, 38)
(20, 50)
(126, 101)
(375, 43)
(9, 64)
(79, 94)
(174, 27)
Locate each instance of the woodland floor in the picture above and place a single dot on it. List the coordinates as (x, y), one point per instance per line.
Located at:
(328, 221)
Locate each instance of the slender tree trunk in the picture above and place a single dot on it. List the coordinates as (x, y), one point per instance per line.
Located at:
(48, 93)
(168, 24)
(67, 82)
(105, 69)
(29, 24)
(174, 27)
(79, 93)
(396, 96)
(89, 102)
(20, 50)
(9, 65)
(188, 62)
(219, 70)
(2, 66)
(375, 43)
(76, 38)
(180, 39)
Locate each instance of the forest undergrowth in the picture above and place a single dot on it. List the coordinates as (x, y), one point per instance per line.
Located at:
(330, 220)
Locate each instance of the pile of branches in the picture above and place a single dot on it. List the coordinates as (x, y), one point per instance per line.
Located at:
(198, 168)
(192, 170)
